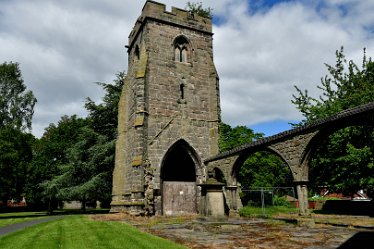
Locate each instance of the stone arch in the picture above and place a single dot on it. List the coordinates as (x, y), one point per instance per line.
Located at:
(244, 156)
(219, 175)
(180, 168)
(182, 49)
(181, 143)
(233, 187)
(322, 136)
(287, 159)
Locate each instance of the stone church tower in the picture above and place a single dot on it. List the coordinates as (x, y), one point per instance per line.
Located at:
(168, 114)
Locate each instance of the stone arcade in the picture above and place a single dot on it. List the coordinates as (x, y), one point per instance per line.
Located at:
(168, 114)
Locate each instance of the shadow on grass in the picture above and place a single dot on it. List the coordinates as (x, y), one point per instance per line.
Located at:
(23, 216)
(59, 212)
(347, 207)
(79, 212)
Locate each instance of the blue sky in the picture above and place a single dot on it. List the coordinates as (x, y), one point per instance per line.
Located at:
(261, 50)
(272, 127)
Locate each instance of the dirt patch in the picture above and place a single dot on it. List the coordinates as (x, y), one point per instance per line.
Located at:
(197, 232)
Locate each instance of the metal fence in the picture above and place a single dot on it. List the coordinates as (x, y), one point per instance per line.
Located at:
(266, 196)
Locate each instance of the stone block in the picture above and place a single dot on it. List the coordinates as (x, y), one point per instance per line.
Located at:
(137, 161)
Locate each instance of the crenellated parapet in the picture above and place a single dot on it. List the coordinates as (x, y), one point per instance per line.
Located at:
(177, 17)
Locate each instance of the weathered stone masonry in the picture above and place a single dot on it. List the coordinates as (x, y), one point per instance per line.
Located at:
(170, 96)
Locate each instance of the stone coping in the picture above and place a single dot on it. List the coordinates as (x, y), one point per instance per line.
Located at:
(362, 109)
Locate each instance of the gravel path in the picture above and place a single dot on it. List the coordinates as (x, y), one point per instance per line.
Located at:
(19, 226)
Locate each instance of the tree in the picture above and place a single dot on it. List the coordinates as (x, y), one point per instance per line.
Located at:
(16, 104)
(15, 159)
(16, 110)
(344, 161)
(234, 137)
(86, 174)
(104, 115)
(104, 119)
(197, 8)
(51, 151)
(264, 169)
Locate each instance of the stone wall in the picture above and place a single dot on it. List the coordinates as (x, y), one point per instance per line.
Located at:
(164, 101)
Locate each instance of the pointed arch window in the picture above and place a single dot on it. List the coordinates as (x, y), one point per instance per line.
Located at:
(181, 49)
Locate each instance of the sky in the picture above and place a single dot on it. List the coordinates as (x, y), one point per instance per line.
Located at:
(261, 50)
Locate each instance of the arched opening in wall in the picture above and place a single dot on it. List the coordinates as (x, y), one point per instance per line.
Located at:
(341, 167)
(181, 49)
(178, 175)
(219, 176)
(265, 179)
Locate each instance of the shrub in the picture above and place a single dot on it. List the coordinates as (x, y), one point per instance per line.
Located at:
(281, 201)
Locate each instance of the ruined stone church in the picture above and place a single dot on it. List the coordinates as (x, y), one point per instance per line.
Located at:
(169, 113)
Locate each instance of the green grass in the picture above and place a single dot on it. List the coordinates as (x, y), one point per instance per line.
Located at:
(250, 211)
(13, 218)
(80, 232)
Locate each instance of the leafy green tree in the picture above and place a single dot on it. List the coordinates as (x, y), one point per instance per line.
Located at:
(344, 161)
(198, 9)
(234, 137)
(261, 169)
(16, 111)
(345, 86)
(16, 103)
(15, 159)
(264, 169)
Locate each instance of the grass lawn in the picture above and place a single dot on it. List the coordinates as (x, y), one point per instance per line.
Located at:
(12, 218)
(249, 211)
(80, 232)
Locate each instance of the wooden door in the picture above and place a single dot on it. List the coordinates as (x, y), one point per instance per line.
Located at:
(178, 198)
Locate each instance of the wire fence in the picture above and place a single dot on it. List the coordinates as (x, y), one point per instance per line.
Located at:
(267, 196)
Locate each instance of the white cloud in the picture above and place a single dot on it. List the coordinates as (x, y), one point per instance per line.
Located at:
(261, 56)
(260, 51)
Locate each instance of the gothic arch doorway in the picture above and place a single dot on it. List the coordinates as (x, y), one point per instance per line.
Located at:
(178, 174)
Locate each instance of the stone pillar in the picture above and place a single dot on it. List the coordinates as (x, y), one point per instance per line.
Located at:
(302, 196)
(234, 201)
(213, 203)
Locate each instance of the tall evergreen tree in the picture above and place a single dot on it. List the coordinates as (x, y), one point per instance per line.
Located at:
(86, 175)
(49, 152)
